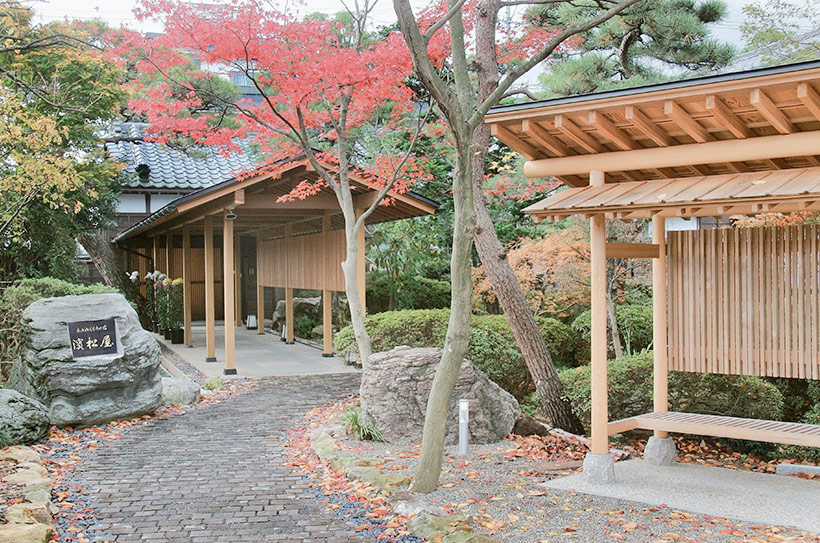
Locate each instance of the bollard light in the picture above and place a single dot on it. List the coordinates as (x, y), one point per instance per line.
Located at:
(463, 426)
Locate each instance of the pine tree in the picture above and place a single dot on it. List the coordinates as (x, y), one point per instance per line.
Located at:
(638, 47)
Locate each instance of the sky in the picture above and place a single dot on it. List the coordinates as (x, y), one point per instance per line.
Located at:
(118, 12)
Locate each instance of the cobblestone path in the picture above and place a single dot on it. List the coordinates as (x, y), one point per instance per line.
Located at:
(217, 474)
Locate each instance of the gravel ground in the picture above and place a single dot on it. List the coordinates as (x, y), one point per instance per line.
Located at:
(496, 485)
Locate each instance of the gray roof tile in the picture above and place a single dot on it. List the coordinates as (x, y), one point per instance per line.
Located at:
(171, 168)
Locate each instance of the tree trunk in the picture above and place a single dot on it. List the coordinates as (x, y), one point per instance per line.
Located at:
(457, 341)
(614, 330)
(494, 255)
(106, 261)
(354, 300)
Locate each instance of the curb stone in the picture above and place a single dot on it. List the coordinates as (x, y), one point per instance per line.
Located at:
(441, 528)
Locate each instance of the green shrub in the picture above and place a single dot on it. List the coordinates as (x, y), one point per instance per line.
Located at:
(813, 391)
(809, 453)
(362, 429)
(799, 396)
(5, 438)
(493, 348)
(634, 324)
(417, 293)
(630, 392)
(23, 293)
(304, 325)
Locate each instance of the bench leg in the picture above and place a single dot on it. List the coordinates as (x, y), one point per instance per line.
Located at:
(660, 451)
(599, 469)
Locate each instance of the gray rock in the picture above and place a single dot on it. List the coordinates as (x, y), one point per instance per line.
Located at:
(396, 384)
(179, 391)
(87, 391)
(660, 451)
(23, 418)
(302, 307)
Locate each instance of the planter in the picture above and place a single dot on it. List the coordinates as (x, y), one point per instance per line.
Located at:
(177, 336)
(167, 333)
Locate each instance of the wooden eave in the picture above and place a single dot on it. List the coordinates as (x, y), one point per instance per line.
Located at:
(775, 191)
(773, 102)
(254, 201)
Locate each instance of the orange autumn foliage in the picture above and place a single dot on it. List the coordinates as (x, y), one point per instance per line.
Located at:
(553, 271)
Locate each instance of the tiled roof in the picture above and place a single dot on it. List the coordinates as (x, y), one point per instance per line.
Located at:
(170, 168)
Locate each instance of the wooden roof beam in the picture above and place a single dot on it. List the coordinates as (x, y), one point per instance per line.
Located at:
(541, 136)
(645, 125)
(770, 111)
(674, 111)
(571, 130)
(809, 98)
(514, 142)
(714, 152)
(724, 115)
(606, 127)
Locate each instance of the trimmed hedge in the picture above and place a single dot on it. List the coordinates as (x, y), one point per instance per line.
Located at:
(493, 348)
(809, 453)
(630, 392)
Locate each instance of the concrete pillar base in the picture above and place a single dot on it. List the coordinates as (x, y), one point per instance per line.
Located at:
(599, 469)
(226, 371)
(660, 451)
(211, 359)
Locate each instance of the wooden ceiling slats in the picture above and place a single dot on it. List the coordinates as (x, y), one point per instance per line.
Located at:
(695, 130)
(723, 114)
(606, 127)
(541, 136)
(809, 98)
(770, 111)
(518, 145)
(647, 126)
(573, 132)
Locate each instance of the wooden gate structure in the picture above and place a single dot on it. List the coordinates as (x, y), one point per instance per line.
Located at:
(740, 301)
(299, 244)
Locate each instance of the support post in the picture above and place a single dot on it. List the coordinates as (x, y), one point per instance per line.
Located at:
(237, 279)
(290, 325)
(360, 265)
(228, 291)
(260, 289)
(155, 240)
(210, 309)
(169, 244)
(327, 309)
(598, 465)
(660, 449)
(186, 284)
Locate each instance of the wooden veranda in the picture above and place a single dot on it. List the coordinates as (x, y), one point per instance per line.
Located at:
(298, 245)
(725, 301)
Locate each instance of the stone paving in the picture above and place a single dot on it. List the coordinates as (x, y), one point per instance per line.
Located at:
(217, 474)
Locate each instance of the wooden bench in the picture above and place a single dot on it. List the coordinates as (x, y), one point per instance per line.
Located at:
(788, 433)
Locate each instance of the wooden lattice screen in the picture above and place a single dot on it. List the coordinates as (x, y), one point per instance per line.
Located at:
(745, 301)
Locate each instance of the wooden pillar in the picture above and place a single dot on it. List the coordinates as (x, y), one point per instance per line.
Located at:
(169, 243)
(290, 325)
(260, 289)
(210, 309)
(597, 237)
(186, 284)
(660, 392)
(327, 296)
(155, 240)
(361, 278)
(228, 291)
(237, 278)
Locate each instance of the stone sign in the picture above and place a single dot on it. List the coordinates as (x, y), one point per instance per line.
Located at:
(106, 381)
(93, 338)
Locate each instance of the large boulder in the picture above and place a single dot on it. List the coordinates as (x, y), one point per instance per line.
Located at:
(94, 390)
(302, 307)
(396, 385)
(24, 419)
(179, 391)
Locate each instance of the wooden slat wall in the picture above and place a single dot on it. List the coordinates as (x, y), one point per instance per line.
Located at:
(197, 276)
(745, 301)
(304, 262)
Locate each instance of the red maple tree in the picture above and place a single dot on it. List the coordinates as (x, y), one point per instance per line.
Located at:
(325, 90)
